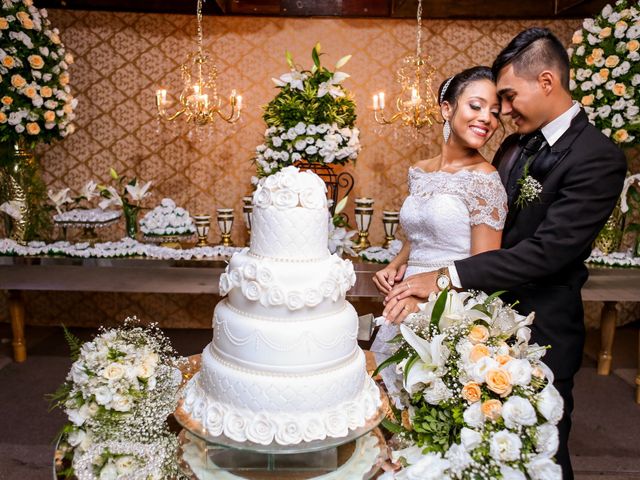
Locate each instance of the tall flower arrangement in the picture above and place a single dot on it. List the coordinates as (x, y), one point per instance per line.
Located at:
(35, 97)
(476, 400)
(311, 119)
(605, 71)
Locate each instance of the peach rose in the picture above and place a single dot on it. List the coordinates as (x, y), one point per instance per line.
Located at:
(3, 23)
(587, 100)
(35, 61)
(633, 45)
(478, 351)
(619, 89)
(3, 118)
(471, 392)
(479, 334)
(49, 116)
(503, 359)
(67, 108)
(620, 135)
(604, 73)
(605, 32)
(6, 100)
(30, 92)
(25, 20)
(8, 61)
(611, 61)
(597, 53)
(590, 60)
(621, 24)
(55, 38)
(406, 421)
(499, 381)
(46, 92)
(492, 409)
(18, 81)
(28, 24)
(33, 128)
(572, 74)
(577, 37)
(64, 79)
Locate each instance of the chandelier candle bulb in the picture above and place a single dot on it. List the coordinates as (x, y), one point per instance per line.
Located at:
(376, 104)
(381, 97)
(239, 102)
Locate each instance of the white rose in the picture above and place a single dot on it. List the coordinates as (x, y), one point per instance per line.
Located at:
(300, 128)
(473, 415)
(225, 284)
(429, 467)
(76, 437)
(235, 426)
(295, 300)
(275, 296)
(481, 367)
(437, 392)
(505, 446)
(313, 430)
(617, 121)
(76, 416)
(313, 199)
(550, 404)
(520, 371)
(470, 438)
(542, 468)
(103, 395)
(517, 411)
(285, 198)
(289, 432)
(459, 459)
(120, 403)
(261, 430)
(264, 276)
(252, 291)
(109, 471)
(510, 473)
(336, 424)
(547, 440)
(262, 197)
(250, 270)
(126, 465)
(114, 371)
(78, 373)
(312, 297)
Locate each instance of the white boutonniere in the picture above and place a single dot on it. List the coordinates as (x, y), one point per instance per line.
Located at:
(530, 188)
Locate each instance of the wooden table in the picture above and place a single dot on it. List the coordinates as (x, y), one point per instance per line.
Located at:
(609, 285)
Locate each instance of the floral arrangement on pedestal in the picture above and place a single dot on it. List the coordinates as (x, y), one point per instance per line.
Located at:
(312, 119)
(117, 396)
(476, 400)
(605, 71)
(35, 105)
(133, 192)
(167, 219)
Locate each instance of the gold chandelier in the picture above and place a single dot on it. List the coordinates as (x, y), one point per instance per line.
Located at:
(416, 105)
(199, 100)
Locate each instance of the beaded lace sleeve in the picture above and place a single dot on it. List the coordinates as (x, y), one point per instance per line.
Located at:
(487, 200)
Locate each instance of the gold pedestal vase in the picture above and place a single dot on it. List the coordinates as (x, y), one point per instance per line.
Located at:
(610, 237)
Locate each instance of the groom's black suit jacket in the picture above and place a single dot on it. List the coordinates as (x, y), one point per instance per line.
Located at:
(544, 244)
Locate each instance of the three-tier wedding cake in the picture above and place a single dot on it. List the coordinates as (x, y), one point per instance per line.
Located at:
(284, 364)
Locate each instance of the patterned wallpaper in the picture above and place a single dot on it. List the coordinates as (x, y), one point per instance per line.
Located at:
(122, 58)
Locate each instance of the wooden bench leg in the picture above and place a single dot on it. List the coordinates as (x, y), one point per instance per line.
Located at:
(16, 312)
(608, 319)
(638, 375)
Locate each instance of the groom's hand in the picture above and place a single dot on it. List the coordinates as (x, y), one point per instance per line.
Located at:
(397, 310)
(420, 286)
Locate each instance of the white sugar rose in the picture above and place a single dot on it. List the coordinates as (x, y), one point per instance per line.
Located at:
(235, 277)
(517, 411)
(470, 439)
(336, 424)
(542, 468)
(252, 291)
(550, 404)
(214, 419)
(250, 270)
(288, 179)
(262, 197)
(327, 287)
(510, 473)
(271, 182)
(289, 432)
(261, 430)
(225, 284)
(313, 430)
(264, 276)
(295, 301)
(285, 199)
(312, 198)
(235, 426)
(547, 440)
(355, 415)
(275, 296)
(312, 297)
(505, 446)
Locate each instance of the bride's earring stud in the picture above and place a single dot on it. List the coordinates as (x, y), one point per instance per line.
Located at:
(446, 131)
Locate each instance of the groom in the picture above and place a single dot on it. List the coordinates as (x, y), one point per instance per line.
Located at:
(546, 239)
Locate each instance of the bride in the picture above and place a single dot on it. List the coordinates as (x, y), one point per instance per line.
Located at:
(457, 204)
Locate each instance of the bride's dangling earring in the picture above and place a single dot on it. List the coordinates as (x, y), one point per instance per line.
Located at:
(446, 131)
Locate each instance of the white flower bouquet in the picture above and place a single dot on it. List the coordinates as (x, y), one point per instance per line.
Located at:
(36, 100)
(117, 396)
(167, 219)
(477, 402)
(310, 120)
(605, 71)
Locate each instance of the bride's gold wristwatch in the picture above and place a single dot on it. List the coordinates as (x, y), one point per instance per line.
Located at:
(443, 280)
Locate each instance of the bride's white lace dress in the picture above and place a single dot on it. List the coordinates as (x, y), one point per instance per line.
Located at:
(436, 218)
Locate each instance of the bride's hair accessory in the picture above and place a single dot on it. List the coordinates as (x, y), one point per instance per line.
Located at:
(444, 88)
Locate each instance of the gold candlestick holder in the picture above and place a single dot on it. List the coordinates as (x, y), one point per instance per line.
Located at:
(203, 225)
(364, 213)
(225, 223)
(390, 221)
(247, 214)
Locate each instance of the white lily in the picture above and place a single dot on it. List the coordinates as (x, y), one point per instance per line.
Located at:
(332, 87)
(60, 198)
(138, 192)
(340, 240)
(89, 190)
(624, 206)
(293, 78)
(113, 198)
(455, 311)
(13, 208)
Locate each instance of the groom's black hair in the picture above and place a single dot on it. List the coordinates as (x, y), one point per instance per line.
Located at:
(532, 51)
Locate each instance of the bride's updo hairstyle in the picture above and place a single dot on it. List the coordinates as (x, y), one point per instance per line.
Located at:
(452, 87)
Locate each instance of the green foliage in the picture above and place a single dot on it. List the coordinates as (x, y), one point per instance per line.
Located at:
(438, 308)
(74, 343)
(437, 427)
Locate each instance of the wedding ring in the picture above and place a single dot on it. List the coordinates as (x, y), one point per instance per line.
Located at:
(405, 308)
(408, 286)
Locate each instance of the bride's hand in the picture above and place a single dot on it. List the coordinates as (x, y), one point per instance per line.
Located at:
(386, 278)
(419, 285)
(397, 310)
